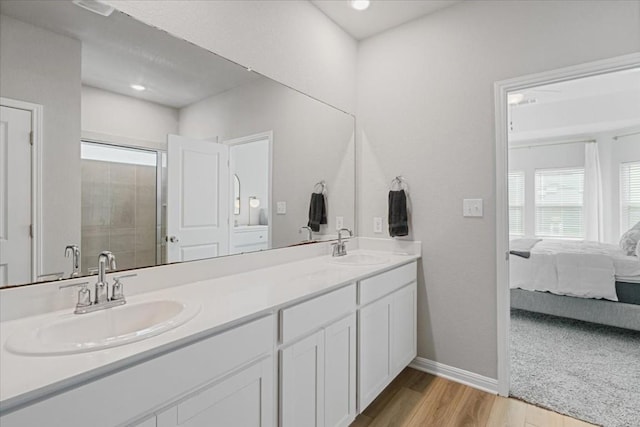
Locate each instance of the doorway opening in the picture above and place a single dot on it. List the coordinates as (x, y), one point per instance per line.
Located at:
(568, 146)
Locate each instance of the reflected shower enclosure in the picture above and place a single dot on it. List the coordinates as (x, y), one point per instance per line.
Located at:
(121, 205)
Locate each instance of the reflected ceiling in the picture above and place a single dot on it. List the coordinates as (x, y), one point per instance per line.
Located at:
(111, 62)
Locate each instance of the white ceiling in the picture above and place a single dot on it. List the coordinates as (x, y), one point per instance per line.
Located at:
(380, 16)
(118, 51)
(598, 85)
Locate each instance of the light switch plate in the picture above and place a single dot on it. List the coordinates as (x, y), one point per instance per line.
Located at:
(339, 222)
(377, 224)
(281, 208)
(472, 208)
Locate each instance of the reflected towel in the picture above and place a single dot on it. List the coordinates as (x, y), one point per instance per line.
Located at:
(398, 218)
(317, 211)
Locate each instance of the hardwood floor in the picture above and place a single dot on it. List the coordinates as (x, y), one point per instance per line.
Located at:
(419, 399)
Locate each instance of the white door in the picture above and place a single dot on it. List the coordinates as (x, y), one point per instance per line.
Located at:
(197, 199)
(302, 383)
(15, 196)
(340, 373)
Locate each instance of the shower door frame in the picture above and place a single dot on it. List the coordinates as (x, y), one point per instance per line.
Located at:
(158, 153)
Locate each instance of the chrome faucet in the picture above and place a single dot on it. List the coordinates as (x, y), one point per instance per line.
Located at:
(309, 233)
(74, 251)
(340, 248)
(106, 260)
(101, 300)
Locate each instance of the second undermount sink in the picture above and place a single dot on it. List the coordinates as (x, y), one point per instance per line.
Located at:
(359, 259)
(102, 329)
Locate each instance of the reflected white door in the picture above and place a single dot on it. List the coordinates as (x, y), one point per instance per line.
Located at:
(197, 199)
(15, 196)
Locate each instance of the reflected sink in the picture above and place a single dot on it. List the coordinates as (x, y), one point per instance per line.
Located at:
(359, 259)
(79, 333)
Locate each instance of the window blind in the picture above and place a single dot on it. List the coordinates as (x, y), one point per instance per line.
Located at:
(516, 203)
(629, 195)
(559, 203)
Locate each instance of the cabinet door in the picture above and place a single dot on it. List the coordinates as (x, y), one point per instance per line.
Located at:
(373, 352)
(340, 372)
(302, 384)
(403, 328)
(244, 399)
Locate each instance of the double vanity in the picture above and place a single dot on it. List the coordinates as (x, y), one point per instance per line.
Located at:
(310, 342)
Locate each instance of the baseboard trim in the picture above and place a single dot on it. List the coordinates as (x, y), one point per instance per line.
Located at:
(490, 385)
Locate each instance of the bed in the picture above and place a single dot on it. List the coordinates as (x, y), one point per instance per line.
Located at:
(589, 281)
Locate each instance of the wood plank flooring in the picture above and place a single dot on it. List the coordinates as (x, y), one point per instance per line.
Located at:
(419, 399)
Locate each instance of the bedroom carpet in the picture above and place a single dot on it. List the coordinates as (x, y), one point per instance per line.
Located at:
(587, 371)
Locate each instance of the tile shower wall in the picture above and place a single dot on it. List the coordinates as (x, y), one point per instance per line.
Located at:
(118, 213)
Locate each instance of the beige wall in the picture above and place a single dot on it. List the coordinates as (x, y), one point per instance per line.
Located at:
(290, 41)
(41, 67)
(311, 142)
(426, 110)
(135, 121)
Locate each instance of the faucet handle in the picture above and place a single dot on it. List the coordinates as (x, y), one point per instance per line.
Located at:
(84, 295)
(117, 292)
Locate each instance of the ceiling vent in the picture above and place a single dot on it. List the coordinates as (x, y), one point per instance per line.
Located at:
(95, 6)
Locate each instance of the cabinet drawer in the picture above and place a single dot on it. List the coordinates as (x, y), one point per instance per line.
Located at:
(377, 286)
(248, 238)
(307, 316)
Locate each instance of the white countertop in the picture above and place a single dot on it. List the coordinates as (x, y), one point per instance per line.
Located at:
(225, 301)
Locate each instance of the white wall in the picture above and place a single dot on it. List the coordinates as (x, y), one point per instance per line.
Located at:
(42, 67)
(311, 142)
(112, 114)
(425, 110)
(290, 41)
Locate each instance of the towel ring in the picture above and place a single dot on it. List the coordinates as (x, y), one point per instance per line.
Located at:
(322, 187)
(399, 183)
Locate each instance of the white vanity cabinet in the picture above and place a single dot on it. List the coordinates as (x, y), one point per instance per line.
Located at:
(318, 371)
(386, 329)
(243, 399)
(313, 362)
(228, 376)
(249, 238)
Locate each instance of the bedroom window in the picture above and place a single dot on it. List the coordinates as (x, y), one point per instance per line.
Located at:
(559, 199)
(629, 195)
(516, 203)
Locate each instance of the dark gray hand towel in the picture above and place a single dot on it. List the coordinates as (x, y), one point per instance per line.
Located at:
(523, 254)
(317, 211)
(398, 219)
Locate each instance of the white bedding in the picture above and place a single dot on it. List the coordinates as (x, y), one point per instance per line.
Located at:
(574, 268)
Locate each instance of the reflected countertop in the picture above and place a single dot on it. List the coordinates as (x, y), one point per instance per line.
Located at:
(226, 302)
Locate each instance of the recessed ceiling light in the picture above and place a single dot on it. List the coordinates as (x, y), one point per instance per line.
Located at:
(139, 88)
(515, 98)
(95, 6)
(360, 4)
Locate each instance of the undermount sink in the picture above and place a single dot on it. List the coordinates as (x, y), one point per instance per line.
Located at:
(359, 259)
(79, 333)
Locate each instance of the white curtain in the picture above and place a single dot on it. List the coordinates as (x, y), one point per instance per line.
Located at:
(593, 204)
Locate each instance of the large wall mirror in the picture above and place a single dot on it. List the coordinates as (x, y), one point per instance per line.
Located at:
(117, 136)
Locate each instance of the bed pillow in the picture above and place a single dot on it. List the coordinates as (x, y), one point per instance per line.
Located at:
(629, 240)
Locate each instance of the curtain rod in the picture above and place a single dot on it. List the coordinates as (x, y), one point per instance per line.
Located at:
(542, 144)
(615, 138)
